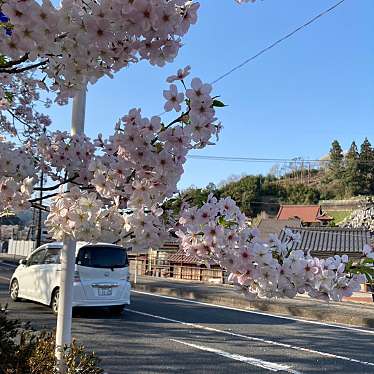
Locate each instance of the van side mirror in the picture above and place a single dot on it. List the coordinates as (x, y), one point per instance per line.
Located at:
(23, 261)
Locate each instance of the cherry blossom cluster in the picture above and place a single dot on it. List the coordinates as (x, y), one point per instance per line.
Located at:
(80, 216)
(150, 154)
(84, 216)
(201, 108)
(15, 162)
(89, 39)
(19, 95)
(15, 195)
(60, 151)
(369, 251)
(144, 229)
(139, 166)
(17, 179)
(217, 233)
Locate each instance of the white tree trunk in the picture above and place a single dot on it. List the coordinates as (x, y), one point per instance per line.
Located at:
(64, 317)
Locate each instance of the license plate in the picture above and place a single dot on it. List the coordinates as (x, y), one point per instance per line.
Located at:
(105, 291)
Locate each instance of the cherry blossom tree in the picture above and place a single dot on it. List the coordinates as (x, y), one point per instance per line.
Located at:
(68, 46)
(117, 185)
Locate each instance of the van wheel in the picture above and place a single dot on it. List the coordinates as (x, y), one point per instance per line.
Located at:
(117, 309)
(14, 290)
(54, 301)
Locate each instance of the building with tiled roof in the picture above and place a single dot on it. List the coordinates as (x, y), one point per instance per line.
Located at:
(328, 241)
(269, 226)
(310, 215)
(180, 257)
(182, 266)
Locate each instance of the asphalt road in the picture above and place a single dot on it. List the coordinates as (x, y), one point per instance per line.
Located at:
(166, 335)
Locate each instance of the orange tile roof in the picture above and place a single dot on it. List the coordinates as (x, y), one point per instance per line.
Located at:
(307, 213)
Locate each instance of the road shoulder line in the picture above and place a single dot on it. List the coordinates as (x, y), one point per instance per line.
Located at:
(252, 338)
(248, 360)
(338, 326)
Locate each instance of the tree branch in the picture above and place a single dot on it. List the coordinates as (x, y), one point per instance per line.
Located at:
(15, 62)
(20, 70)
(44, 197)
(179, 119)
(124, 237)
(57, 185)
(17, 118)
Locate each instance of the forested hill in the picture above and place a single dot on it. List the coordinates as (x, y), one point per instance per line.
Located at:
(341, 176)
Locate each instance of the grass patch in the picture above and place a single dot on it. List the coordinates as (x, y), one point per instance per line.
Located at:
(339, 215)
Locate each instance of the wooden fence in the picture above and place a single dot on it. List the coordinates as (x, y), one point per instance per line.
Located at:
(165, 269)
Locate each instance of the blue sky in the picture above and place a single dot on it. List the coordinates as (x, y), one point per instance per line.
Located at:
(290, 102)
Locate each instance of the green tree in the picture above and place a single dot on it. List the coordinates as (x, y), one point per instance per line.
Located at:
(336, 159)
(351, 172)
(366, 168)
(244, 191)
(332, 185)
(193, 196)
(299, 194)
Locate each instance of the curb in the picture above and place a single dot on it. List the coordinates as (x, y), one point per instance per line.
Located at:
(309, 310)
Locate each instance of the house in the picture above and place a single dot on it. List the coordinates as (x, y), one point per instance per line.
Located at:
(310, 215)
(154, 261)
(182, 266)
(325, 242)
(269, 226)
(329, 241)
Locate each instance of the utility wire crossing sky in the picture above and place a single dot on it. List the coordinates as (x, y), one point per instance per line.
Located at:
(289, 35)
(293, 102)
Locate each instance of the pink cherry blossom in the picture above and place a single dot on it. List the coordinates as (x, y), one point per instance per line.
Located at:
(174, 99)
(181, 74)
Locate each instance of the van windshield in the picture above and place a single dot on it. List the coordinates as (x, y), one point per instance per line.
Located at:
(102, 257)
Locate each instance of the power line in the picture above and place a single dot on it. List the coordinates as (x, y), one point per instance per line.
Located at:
(272, 160)
(289, 35)
(252, 159)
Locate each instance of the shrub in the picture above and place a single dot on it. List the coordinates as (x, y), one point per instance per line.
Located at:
(23, 351)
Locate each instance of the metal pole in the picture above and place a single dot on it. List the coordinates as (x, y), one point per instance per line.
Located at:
(64, 317)
(136, 270)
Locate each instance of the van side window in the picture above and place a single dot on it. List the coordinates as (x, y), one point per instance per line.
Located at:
(52, 256)
(36, 258)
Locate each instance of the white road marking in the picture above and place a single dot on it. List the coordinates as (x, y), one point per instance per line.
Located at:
(252, 338)
(248, 360)
(7, 279)
(344, 327)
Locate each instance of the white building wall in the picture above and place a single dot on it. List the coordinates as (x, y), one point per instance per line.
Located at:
(21, 247)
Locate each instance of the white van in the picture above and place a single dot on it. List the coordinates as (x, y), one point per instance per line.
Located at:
(101, 278)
